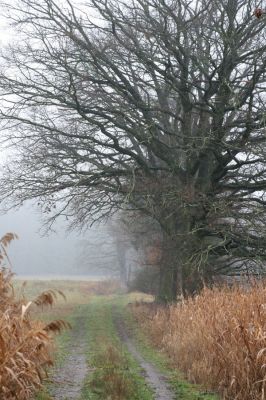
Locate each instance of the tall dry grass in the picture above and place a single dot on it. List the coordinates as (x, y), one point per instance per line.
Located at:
(217, 338)
(26, 344)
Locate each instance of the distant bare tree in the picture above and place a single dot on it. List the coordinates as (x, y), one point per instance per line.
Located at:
(157, 105)
(136, 234)
(96, 253)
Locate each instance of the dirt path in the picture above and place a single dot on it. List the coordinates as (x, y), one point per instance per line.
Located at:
(68, 378)
(155, 379)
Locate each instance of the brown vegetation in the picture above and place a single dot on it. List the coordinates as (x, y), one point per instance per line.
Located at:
(217, 338)
(25, 343)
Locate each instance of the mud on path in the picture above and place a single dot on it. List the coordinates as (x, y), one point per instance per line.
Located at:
(68, 378)
(155, 379)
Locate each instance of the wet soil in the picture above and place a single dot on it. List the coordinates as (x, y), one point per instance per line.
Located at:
(154, 378)
(68, 378)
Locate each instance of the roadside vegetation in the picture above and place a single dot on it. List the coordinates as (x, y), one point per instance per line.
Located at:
(26, 343)
(182, 388)
(216, 338)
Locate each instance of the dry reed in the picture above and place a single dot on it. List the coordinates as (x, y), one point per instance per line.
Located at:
(218, 338)
(25, 343)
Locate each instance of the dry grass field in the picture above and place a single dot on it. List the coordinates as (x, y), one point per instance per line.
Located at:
(217, 338)
(75, 293)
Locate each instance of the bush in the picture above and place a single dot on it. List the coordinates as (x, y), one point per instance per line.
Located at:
(217, 338)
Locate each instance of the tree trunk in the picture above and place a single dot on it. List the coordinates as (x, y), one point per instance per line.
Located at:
(171, 270)
(121, 256)
(179, 275)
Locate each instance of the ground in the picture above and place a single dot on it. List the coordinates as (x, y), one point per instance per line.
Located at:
(105, 356)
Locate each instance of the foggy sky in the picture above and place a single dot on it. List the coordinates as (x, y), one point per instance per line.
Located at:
(34, 253)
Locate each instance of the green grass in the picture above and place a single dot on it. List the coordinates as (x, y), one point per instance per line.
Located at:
(43, 396)
(115, 374)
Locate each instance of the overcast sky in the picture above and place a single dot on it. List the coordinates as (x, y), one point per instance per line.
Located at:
(35, 254)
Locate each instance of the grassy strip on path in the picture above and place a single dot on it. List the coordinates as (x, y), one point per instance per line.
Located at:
(114, 374)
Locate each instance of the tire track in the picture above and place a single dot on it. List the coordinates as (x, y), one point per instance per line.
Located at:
(68, 378)
(155, 379)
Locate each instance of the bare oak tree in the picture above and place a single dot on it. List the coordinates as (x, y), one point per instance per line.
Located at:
(157, 105)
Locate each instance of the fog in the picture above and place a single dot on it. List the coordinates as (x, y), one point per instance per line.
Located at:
(56, 254)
